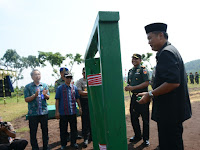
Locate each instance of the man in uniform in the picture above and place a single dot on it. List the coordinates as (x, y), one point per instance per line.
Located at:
(197, 77)
(138, 81)
(171, 102)
(191, 78)
(82, 89)
(61, 80)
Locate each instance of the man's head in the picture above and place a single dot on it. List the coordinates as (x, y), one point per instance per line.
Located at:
(35, 75)
(156, 35)
(83, 72)
(68, 77)
(62, 71)
(136, 59)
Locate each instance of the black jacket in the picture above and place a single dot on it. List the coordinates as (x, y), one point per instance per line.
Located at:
(175, 105)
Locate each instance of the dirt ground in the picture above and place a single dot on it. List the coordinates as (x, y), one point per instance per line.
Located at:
(191, 133)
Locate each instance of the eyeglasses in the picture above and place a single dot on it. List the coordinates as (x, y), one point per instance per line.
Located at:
(68, 77)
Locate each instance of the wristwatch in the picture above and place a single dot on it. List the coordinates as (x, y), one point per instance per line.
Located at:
(150, 94)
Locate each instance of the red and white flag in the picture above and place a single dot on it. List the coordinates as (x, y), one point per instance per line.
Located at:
(94, 79)
(102, 147)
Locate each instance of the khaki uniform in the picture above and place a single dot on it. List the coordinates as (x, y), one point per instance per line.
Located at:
(58, 83)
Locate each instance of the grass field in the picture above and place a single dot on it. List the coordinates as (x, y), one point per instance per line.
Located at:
(14, 109)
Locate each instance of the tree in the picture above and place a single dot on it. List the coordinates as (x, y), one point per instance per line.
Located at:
(77, 58)
(147, 58)
(57, 60)
(12, 61)
(54, 59)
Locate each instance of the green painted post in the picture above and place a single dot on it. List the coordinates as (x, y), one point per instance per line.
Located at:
(106, 101)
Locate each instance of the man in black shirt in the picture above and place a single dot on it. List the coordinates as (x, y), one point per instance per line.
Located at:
(171, 102)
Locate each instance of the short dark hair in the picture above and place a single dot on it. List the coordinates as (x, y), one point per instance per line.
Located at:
(164, 33)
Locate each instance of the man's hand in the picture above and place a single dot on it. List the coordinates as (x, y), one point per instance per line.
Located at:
(44, 92)
(129, 88)
(3, 128)
(57, 115)
(36, 93)
(145, 98)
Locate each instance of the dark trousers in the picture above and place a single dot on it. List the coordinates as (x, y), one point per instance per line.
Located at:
(170, 135)
(136, 110)
(33, 125)
(64, 119)
(17, 144)
(86, 127)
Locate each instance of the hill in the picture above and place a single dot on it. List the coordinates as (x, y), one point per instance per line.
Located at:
(193, 66)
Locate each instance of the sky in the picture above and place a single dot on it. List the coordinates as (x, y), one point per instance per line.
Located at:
(65, 26)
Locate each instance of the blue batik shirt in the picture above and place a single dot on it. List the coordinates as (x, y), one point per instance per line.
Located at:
(67, 96)
(38, 106)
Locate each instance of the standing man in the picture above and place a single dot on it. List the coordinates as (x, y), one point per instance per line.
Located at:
(66, 98)
(171, 102)
(138, 81)
(36, 94)
(197, 77)
(191, 78)
(82, 90)
(60, 82)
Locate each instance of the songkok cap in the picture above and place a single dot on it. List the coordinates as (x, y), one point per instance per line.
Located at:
(63, 69)
(136, 56)
(68, 74)
(155, 27)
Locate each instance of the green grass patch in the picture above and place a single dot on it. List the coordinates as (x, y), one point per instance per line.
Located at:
(13, 109)
(17, 108)
(24, 129)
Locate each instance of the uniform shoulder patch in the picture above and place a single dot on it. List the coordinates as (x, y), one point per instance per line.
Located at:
(144, 71)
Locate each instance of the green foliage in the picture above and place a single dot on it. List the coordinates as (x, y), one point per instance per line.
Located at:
(77, 58)
(54, 59)
(146, 57)
(12, 61)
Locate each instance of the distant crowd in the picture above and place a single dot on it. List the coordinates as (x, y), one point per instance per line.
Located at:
(193, 77)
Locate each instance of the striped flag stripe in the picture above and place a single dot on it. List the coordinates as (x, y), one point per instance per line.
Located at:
(94, 80)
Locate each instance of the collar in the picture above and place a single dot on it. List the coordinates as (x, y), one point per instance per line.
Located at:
(33, 84)
(134, 68)
(160, 51)
(71, 85)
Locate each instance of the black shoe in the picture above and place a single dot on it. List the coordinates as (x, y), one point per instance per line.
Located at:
(135, 139)
(63, 147)
(85, 143)
(74, 145)
(146, 143)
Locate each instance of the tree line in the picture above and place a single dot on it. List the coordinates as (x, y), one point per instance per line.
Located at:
(11, 60)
